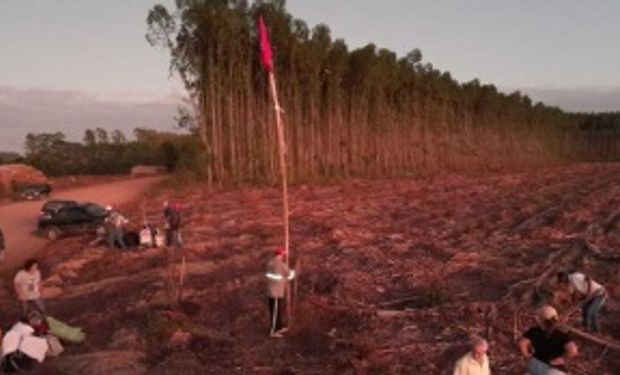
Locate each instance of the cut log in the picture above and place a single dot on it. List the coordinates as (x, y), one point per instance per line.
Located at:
(399, 300)
(391, 314)
(592, 338)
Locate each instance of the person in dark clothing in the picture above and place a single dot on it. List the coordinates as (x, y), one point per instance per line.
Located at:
(172, 216)
(547, 347)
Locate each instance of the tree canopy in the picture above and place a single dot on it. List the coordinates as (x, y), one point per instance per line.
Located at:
(362, 112)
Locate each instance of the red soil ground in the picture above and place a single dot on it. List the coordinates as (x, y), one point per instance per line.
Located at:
(395, 274)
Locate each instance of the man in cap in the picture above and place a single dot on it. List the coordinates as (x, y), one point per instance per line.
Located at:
(476, 361)
(547, 347)
(278, 275)
(592, 294)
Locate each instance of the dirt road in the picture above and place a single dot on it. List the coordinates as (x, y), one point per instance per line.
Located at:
(19, 220)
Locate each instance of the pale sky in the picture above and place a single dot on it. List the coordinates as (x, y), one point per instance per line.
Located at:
(72, 64)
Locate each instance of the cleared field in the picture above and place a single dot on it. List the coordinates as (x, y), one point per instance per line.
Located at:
(395, 274)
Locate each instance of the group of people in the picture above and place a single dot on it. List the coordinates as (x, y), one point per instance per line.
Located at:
(118, 235)
(547, 347)
(35, 335)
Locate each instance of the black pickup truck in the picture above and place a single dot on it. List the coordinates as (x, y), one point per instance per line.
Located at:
(72, 218)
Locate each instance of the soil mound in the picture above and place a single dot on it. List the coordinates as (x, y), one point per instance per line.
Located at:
(13, 176)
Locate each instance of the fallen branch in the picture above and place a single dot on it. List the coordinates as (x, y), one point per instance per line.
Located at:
(607, 224)
(569, 312)
(399, 300)
(592, 338)
(599, 254)
(539, 220)
(552, 264)
(516, 330)
(390, 314)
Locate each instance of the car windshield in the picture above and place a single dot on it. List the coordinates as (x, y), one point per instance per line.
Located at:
(95, 209)
(55, 205)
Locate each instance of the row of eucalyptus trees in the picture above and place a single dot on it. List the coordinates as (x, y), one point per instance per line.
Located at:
(362, 112)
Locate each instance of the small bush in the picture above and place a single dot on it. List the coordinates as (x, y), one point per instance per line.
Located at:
(431, 296)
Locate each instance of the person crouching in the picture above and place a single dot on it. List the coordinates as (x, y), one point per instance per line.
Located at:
(546, 346)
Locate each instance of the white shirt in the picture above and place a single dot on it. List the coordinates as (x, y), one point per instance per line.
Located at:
(146, 238)
(467, 365)
(20, 337)
(577, 281)
(29, 284)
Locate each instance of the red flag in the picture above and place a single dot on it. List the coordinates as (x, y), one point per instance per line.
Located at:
(265, 45)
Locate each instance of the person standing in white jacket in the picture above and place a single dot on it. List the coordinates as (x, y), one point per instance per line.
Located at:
(278, 275)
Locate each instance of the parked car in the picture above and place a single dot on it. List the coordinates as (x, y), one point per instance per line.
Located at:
(73, 219)
(32, 192)
(52, 206)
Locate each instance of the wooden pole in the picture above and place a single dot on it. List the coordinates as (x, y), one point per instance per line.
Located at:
(181, 279)
(283, 172)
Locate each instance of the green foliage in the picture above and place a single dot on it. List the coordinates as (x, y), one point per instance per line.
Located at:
(55, 156)
(364, 112)
(10, 157)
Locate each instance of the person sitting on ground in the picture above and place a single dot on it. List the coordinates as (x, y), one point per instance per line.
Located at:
(159, 238)
(278, 274)
(21, 348)
(36, 321)
(27, 284)
(114, 226)
(476, 361)
(42, 329)
(593, 296)
(546, 346)
(146, 236)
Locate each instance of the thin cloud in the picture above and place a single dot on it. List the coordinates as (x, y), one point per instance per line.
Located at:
(72, 112)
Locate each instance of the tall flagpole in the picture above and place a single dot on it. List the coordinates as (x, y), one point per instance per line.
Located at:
(283, 164)
(267, 57)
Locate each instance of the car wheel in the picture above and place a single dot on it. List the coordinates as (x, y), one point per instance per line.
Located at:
(52, 233)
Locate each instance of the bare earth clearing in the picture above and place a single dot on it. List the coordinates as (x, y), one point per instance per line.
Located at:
(19, 219)
(395, 275)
